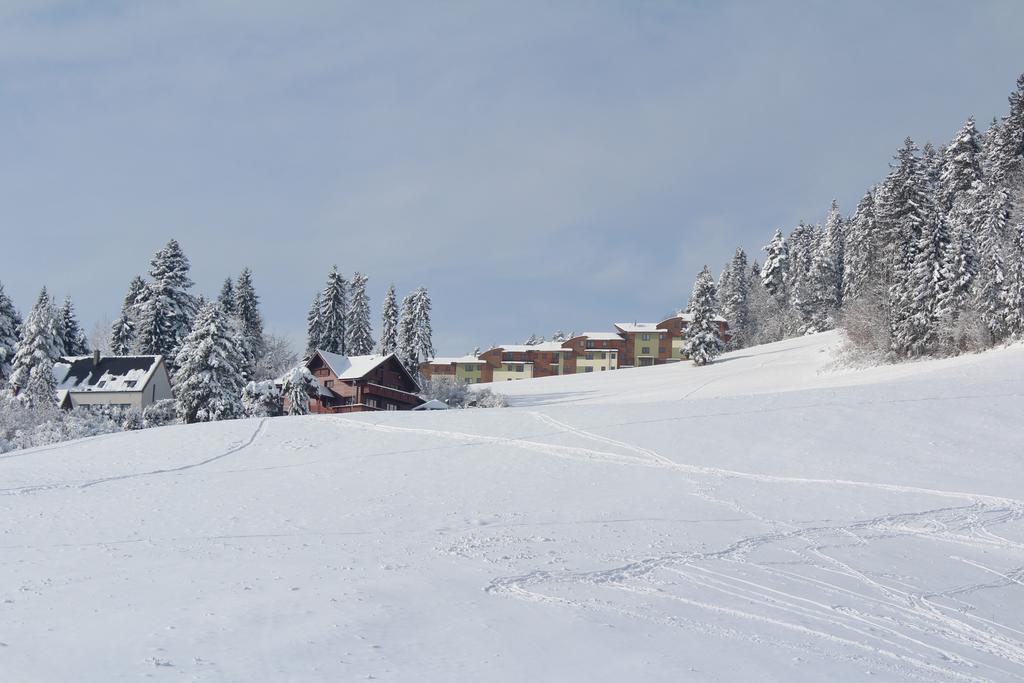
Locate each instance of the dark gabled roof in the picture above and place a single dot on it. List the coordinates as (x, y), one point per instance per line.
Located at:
(84, 374)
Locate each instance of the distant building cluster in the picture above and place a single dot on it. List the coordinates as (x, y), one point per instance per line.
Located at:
(629, 345)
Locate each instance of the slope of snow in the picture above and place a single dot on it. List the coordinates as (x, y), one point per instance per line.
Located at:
(786, 523)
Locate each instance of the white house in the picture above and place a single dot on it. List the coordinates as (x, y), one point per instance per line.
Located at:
(123, 381)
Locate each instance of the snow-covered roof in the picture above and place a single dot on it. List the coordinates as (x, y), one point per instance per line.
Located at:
(688, 318)
(602, 336)
(638, 327)
(465, 360)
(112, 373)
(432, 404)
(351, 367)
(545, 346)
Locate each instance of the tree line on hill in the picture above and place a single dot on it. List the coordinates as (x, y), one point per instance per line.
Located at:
(223, 364)
(930, 263)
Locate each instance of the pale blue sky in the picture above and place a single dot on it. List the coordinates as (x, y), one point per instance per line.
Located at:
(536, 165)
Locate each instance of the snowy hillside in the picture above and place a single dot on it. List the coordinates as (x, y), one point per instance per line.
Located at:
(785, 522)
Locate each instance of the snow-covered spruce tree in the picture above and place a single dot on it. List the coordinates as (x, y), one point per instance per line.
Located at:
(262, 399)
(734, 295)
(123, 331)
(226, 298)
(39, 347)
(804, 242)
(929, 280)
(907, 210)
(73, 340)
(166, 311)
(407, 334)
(10, 324)
(424, 344)
(299, 386)
(359, 335)
(989, 299)
(861, 263)
(822, 289)
(250, 322)
(757, 305)
(389, 323)
(333, 312)
(702, 343)
(1015, 285)
(776, 266)
(209, 380)
(961, 168)
(314, 324)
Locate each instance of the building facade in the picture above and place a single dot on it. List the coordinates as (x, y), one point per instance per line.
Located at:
(351, 384)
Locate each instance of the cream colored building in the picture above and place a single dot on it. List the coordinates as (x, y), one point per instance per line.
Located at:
(116, 381)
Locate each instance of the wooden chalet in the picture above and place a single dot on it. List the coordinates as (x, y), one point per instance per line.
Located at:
(351, 384)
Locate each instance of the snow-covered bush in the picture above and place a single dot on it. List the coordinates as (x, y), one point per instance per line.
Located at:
(262, 399)
(456, 393)
(161, 413)
(485, 398)
(23, 426)
(299, 386)
(447, 389)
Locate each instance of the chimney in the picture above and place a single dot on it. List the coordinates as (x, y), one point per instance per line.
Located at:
(95, 357)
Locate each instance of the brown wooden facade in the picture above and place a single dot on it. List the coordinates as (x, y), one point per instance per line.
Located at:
(386, 386)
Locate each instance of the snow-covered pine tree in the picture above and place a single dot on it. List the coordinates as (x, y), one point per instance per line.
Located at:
(961, 168)
(990, 286)
(10, 324)
(822, 289)
(734, 297)
(73, 339)
(424, 344)
(389, 323)
(333, 312)
(757, 304)
(208, 383)
(39, 346)
(122, 335)
(407, 334)
(1015, 285)
(804, 242)
(861, 266)
(929, 280)
(776, 267)
(359, 335)
(247, 309)
(702, 343)
(166, 312)
(907, 210)
(314, 324)
(226, 298)
(122, 332)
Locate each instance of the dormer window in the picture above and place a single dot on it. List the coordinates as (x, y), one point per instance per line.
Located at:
(131, 383)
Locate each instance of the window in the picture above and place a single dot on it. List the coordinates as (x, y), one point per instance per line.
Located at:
(329, 383)
(130, 383)
(645, 337)
(661, 349)
(590, 356)
(519, 368)
(602, 368)
(601, 355)
(102, 383)
(590, 343)
(590, 368)
(646, 349)
(371, 402)
(392, 406)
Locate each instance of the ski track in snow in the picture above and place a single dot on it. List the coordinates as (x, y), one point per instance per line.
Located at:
(36, 488)
(912, 629)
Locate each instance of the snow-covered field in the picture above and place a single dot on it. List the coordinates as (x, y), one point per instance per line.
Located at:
(783, 521)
